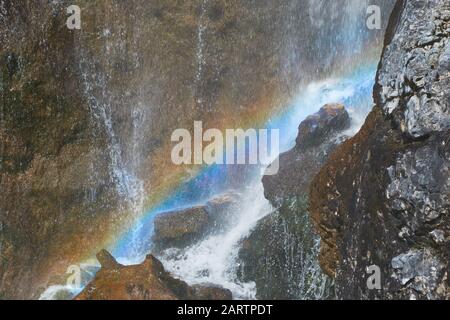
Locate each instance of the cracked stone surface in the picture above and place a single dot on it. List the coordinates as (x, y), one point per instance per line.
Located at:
(415, 75)
(383, 197)
(417, 180)
(419, 270)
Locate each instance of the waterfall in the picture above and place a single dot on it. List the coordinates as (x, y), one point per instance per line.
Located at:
(342, 35)
(322, 61)
(123, 174)
(101, 100)
(214, 260)
(201, 43)
(200, 53)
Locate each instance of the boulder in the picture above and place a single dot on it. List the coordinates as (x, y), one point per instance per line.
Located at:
(318, 135)
(146, 281)
(322, 125)
(179, 228)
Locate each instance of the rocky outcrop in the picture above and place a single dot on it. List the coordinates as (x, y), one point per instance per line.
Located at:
(383, 197)
(280, 255)
(182, 228)
(86, 115)
(318, 135)
(147, 281)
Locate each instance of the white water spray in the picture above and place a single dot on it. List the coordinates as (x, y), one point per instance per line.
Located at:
(214, 260)
(200, 54)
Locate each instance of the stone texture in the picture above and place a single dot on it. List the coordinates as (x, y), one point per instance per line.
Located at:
(280, 255)
(414, 75)
(180, 226)
(86, 115)
(418, 271)
(318, 135)
(147, 281)
(383, 197)
(180, 229)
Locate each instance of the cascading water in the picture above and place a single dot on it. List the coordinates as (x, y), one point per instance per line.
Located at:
(200, 55)
(129, 186)
(215, 258)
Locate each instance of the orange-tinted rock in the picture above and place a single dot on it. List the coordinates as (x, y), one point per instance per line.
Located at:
(328, 192)
(146, 281)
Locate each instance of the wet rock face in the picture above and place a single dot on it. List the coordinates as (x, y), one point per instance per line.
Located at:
(328, 122)
(383, 197)
(180, 226)
(414, 76)
(180, 229)
(418, 178)
(52, 187)
(318, 135)
(147, 281)
(280, 255)
(420, 271)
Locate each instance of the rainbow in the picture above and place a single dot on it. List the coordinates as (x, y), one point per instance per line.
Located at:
(352, 89)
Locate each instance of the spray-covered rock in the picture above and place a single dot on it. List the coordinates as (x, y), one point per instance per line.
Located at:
(281, 254)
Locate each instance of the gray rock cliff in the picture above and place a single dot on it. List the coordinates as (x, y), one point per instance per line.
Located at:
(383, 197)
